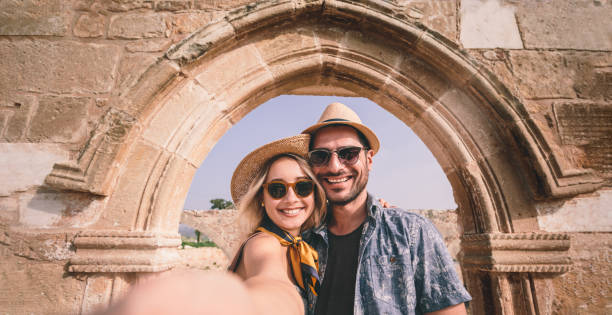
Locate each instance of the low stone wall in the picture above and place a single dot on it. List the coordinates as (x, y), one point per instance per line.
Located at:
(205, 258)
(221, 227)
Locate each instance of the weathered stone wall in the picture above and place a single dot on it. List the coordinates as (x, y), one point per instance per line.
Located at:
(67, 66)
(223, 228)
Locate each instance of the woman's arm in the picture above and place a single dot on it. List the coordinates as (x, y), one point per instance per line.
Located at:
(267, 289)
(266, 277)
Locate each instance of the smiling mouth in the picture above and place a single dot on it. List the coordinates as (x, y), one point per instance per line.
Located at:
(337, 180)
(291, 212)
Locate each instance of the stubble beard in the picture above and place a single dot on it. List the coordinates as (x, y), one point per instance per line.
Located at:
(360, 184)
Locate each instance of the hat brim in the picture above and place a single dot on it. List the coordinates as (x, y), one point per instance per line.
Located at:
(369, 134)
(253, 162)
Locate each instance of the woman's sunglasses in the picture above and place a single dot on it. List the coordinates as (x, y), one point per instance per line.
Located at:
(346, 155)
(278, 189)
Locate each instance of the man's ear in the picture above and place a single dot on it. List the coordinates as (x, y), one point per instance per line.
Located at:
(369, 159)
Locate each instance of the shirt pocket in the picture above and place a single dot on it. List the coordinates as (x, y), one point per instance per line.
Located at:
(391, 283)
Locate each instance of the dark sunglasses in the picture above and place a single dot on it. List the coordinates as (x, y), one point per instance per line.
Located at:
(278, 189)
(346, 155)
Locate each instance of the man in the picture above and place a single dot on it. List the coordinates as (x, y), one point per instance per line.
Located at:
(372, 260)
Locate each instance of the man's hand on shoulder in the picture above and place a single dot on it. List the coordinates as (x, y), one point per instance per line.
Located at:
(385, 204)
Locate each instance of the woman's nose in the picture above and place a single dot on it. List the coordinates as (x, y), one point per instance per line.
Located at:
(291, 196)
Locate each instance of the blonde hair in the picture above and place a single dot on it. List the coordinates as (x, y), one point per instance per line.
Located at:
(251, 211)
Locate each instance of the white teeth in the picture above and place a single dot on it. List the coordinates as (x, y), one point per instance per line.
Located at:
(290, 212)
(337, 180)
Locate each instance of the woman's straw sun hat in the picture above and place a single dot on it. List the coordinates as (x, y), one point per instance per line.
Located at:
(251, 164)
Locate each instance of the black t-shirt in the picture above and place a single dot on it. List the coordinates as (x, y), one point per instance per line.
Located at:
(337, 293)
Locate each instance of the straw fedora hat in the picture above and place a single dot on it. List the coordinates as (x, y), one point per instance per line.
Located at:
(340, 114)
(251, 164)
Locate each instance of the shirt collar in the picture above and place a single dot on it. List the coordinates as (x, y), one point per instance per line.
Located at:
(372, 208)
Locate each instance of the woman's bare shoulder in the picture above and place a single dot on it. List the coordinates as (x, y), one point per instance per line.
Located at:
(262, 243)
(263, 255)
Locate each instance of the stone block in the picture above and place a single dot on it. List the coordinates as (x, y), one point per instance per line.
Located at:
(175, 113)
(131, 68)
(369, 45)
(135, 26)
(497, 62)
(439, 16)
(60, 119)
(4, 117)
(31, 287)
(34, 17)
(187, 23)
(227, 73)
(44, 208)
(582, 25)
(580, 214)
(136, 96)
(424, 76)
(17, 110)
(588, 126)
(90, 25)
(97, 294)
(149, 45)
(563, 74)
(479, 122)
(279, 44)
(57, 66)
(542, 74)
(47, 246)
(9, 213)
(173, 5)
(41, 210)
(25, 165)
(196, 149)
(329, 38)
(123, 204)
(489, 24)
(202, 121)
(593, 74)
(170, 194)
(601, 87)
(128, 5)
(218, 4)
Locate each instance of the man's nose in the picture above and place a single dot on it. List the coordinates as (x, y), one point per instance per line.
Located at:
(334, 163)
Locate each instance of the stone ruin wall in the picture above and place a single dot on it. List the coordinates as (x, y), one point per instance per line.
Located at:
(223, 227)
(63, 62)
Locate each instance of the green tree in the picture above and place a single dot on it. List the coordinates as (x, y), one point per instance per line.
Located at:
(220, 203)
(198, 234)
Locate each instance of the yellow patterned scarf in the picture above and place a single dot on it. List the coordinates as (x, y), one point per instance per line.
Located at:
(303, 258)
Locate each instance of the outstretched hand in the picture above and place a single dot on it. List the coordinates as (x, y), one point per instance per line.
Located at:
(190, 293)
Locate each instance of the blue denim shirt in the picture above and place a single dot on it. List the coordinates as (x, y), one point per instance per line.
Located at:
(404, 266)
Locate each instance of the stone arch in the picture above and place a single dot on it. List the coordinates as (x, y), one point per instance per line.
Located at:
(149, 144)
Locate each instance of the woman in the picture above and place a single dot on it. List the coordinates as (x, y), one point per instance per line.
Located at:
(278, 197)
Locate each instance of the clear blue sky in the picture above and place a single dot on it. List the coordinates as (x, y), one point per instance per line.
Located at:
(404, 172)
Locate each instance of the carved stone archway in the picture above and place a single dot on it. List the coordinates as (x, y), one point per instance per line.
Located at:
(148, 146)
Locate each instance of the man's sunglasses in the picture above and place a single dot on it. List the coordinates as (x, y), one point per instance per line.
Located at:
(346, 155)
(278, 189)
